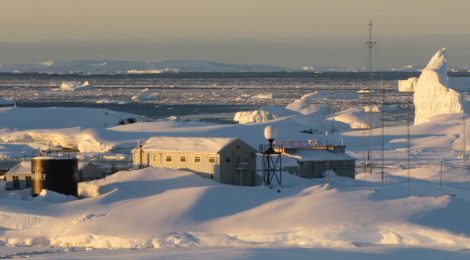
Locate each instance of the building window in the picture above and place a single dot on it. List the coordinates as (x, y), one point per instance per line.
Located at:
(154, 157)
(16, 182)
(28, 181)
(211, 159)
(183, 159)
(168, 158)
(227, 159)
(197, 159)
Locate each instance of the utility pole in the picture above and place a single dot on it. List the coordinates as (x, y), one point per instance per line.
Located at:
(463, 139)
(382, 173)
(440, 174)
(408, 119)
(370, 45)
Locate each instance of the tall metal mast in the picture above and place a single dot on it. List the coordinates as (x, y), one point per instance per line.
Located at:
(370, 45)
(464, 156)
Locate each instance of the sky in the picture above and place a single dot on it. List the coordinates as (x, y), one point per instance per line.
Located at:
(290, 33)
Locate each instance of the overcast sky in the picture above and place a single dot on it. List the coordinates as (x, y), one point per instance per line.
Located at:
(289, 33)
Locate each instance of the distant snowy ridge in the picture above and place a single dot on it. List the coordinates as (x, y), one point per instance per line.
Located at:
(136, 67)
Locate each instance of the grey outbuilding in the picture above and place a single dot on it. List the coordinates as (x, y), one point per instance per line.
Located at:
(314, 163)
(310, 159)
(20, 176)
(227, 160)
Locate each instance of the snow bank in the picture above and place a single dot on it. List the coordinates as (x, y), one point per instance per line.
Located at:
(74, 85)
(432, 96)
(263, 114)
(407, 85)
(358, 118)
(21, 118)
(84, 140)
(144, 209)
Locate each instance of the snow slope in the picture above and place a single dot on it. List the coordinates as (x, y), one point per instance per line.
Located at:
(358, 118)
(432, 96)
(75, 128)
(22, 118)
(168, 209)
(144, 209)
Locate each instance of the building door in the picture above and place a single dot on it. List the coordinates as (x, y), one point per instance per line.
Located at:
(28, 181)
(16, 182)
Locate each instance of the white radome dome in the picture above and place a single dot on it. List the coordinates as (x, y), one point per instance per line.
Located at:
(270, 132)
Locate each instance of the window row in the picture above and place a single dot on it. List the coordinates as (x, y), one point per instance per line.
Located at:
(196, 159)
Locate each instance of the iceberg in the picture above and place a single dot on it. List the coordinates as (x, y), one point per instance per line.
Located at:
(74, 85)
(263, 114)
(432, 95)
(407, 85)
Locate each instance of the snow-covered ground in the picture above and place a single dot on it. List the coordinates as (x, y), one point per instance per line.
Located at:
(167, 210)
(421, 210)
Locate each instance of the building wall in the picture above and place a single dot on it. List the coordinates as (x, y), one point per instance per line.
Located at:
(22, 180)
(230, 157)
(315, 169)
(202, 162)
(90, 172)
(212, 165)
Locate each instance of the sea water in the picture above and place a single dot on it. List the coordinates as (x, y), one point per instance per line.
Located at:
(204, 96)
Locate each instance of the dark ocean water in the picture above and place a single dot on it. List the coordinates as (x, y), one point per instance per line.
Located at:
(203, 95)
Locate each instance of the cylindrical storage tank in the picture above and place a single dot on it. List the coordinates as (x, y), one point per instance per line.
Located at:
(55, 174)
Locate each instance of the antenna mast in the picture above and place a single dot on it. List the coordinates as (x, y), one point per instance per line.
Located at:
(370, 45)
(463, 139)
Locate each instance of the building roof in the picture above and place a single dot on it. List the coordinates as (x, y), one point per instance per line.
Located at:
(22, 168)
(191, 144)
(318, 155)
(82, 165)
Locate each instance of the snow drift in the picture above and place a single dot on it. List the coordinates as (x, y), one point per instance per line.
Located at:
(144, 209)
(432, 95)
(359, 118)
(22, 118)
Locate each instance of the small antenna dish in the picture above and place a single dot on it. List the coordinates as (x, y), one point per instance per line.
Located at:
(270, 133)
